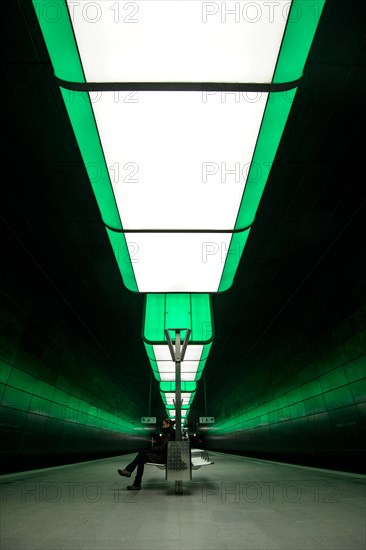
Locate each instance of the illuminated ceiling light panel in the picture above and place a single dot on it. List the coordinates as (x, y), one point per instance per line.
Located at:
(205, 169)
(185, 376)
(189, 367)
(169, 387)
(191, 311)
(171, 407)
(207, 261)
(165, 144)
(171, 413)
(193, 353)
(170, 398)
(200, 268)
(159, 41)
(190, 372)
(161, 353)
(164, 369)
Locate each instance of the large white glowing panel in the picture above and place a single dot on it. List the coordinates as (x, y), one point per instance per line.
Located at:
(179, 40)
(178, 262)
(178, 160)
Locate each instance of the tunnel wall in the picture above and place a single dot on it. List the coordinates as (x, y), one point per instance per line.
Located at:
(303, 402)
(60, 401)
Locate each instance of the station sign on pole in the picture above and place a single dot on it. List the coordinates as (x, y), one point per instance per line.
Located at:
(148, 420)
(206, 419)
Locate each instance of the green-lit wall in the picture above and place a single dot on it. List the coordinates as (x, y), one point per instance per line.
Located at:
(61, 397)
(301, 398)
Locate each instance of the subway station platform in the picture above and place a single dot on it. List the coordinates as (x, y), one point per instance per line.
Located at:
(236, 503)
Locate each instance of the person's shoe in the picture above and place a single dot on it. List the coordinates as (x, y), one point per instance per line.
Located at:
(133, 487)
(124, 473)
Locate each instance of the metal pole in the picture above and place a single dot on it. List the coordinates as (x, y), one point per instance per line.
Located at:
(205, 395)
(177, 356)
(178, 394)
(150, 394)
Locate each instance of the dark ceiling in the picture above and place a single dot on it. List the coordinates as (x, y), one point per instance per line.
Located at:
(304, 265)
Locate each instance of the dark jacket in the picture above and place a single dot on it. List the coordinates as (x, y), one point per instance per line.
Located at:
(158, 453)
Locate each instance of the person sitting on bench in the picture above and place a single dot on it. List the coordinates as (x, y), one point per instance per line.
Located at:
(156, 454)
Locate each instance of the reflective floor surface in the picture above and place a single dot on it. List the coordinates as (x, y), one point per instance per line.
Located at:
(236, 503)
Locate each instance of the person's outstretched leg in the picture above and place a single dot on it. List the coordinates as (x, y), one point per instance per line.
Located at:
(138, 462)
(139, 474)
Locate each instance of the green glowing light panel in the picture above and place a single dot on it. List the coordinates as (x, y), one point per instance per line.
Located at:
(164, 368)
(166, 311)
(178, 169)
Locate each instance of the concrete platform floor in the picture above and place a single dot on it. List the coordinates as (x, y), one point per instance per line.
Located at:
(236, 503)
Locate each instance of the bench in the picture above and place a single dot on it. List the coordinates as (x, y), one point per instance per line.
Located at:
(177, 467)
(199, 458)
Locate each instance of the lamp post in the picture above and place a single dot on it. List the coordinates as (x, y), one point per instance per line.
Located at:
(177, 353)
